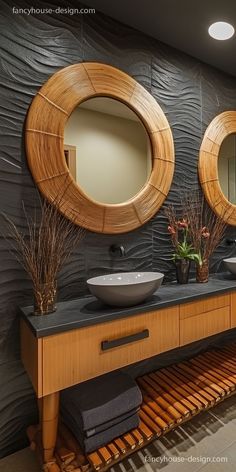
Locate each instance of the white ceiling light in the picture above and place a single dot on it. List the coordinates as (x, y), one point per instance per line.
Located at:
(221, 30)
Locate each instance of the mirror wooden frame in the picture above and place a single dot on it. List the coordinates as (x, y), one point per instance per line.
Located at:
(46, 119)
(219, 128)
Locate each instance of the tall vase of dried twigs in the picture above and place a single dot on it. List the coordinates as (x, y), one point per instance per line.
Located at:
(202, 271)
(45, 297)
(206, 231)
(45, 246)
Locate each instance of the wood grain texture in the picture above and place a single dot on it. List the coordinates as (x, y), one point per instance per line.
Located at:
(202, 306)
(190, 93)
(219, 128)
(32, 357)
(50, 414)
(233, 310)
(204, 324)
(45, 124)
(70, 350)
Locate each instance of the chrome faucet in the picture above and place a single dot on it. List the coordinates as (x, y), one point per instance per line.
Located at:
(117, 251)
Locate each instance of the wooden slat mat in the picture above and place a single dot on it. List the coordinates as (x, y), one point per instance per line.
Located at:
(171, 396)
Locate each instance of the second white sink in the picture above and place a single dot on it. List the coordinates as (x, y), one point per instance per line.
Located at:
(230, 263)
(125, 289)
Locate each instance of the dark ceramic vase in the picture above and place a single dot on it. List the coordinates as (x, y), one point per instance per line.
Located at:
(182, 270)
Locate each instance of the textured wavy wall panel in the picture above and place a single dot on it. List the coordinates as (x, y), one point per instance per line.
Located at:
(32, 48)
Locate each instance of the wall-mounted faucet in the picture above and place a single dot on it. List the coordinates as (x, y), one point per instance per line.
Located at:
(117, 251)
(230, 241)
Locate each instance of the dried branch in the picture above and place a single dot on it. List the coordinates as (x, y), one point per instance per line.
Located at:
(173, 229)
(206, 229)
(47, 244)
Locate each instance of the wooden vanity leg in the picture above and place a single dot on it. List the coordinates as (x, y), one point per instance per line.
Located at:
(40, 409)
(50, 413)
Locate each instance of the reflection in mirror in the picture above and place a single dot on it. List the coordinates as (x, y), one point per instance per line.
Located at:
(227, 167)
(107, 150)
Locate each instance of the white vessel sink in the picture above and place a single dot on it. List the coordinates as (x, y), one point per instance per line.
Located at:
(125, 289)
(230, 264)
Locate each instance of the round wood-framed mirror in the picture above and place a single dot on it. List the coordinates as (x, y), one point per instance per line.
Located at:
(45, 126)
(213, 156)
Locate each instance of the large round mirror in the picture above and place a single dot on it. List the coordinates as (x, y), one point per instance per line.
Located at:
(100, 147)
(217, 166)
(107, 150)
(227, 167)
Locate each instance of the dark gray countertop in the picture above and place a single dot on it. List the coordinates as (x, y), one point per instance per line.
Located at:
(88, 311)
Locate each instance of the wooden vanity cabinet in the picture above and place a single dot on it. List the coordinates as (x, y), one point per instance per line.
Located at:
(58, 361)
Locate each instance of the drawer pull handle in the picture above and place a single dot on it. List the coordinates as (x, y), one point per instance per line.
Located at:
(105, 345)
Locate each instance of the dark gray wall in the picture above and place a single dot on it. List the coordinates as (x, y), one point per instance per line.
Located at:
(32, 48)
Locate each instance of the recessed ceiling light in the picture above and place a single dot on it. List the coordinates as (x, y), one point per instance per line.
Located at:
(221, 30)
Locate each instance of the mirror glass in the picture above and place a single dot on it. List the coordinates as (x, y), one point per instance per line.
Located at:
(227, 167)
(107, 150)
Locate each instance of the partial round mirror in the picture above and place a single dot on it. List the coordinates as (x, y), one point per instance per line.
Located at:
(227, 167)
(107, 150)
(217, 166)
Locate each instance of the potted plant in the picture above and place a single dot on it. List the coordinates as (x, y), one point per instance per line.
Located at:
(184, 251)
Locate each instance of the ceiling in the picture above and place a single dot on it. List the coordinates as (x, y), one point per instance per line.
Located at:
(110, 107)
(182, 24)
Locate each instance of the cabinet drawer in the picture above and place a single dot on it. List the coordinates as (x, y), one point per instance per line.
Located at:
(204, 324)
(202, 306)
(91, 351)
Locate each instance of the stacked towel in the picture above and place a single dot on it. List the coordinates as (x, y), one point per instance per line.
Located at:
(101, 409)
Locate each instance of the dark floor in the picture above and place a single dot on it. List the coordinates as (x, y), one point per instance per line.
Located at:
(209, 437)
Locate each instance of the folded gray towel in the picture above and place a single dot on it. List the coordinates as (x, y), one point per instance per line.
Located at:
(102, 399)
(67, 413)
(102, 438)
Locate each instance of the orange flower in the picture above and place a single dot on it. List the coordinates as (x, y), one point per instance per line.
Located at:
(171, 229)
(205, 233)
(183, 223)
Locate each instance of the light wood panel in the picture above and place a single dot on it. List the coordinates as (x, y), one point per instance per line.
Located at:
(204, 305)
(233, 310)
(31, 356)
(45, 124)
(79, 355)
(204, 325)
(50, 414)
(219, 128)
(197, 320)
